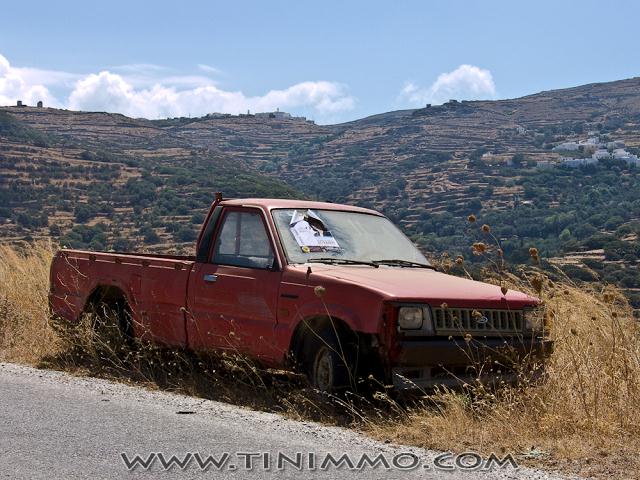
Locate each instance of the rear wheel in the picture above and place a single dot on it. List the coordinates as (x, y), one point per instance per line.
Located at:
(112, 321)
(106, 326)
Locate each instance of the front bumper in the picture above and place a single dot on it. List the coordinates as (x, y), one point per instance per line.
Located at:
(422, 363)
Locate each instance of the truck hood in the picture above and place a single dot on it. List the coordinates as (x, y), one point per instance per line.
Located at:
(421, 284)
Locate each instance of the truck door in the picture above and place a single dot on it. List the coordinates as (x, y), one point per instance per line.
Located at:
(233, 297)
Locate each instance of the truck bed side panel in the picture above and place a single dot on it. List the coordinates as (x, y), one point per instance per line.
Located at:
(154, 287)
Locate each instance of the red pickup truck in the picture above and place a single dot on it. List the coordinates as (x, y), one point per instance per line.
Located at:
(335, 290)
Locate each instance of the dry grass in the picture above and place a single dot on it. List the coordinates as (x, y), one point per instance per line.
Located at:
(583, 418)
(26, 334)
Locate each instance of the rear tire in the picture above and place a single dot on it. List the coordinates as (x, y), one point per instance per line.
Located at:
(112, 324)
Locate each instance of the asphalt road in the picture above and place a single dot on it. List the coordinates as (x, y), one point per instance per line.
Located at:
(56, 426)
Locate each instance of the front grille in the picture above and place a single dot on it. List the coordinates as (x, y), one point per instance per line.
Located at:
(457, 321)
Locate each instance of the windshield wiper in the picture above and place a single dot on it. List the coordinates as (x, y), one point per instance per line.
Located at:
(342, 261)
(403, 263)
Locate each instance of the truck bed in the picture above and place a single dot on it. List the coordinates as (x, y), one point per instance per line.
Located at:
(155, 287)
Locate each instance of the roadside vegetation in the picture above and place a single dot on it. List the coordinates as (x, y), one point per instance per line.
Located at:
(582, 418)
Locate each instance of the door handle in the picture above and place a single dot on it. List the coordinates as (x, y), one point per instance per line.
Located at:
(210, 278)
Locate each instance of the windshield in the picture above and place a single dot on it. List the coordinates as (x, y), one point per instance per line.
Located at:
(340, 237)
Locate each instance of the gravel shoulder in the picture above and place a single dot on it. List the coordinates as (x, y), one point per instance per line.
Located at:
(55, 425)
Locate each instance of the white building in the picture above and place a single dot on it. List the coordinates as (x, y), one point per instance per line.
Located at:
(621, 154)
(218, 115)
(601, 153)
(545, 164)
(566, 146)
(591, 141)
(277, 114)
(578, 162)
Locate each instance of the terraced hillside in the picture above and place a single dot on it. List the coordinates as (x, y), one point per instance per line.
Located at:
(107, 181)
(146, 183)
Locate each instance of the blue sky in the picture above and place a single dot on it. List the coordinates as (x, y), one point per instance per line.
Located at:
(331, 61)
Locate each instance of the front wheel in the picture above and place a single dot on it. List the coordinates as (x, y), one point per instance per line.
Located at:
(330, 366)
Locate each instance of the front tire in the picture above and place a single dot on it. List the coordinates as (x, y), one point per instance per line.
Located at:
(330, 365)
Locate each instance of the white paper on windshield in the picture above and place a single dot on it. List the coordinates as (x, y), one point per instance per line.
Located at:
(310, 232)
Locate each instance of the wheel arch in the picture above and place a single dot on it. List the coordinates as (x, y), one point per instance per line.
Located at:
(107, 294)
(115, 298)
(311, 326)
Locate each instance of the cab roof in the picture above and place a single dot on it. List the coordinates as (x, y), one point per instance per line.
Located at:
(275, 203)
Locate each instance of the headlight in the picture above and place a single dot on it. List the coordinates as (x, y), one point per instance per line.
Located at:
(534, 320)
(410, 318)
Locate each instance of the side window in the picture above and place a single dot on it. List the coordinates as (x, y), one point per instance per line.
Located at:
(243, 241)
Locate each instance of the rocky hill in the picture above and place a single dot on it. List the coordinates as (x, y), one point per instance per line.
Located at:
(106, 180)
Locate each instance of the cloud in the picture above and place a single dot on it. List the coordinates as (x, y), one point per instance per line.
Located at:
(52, 78)
(150, 91)
(208, 69)
(112, 92)
(467, 82)
(142, 75)
(139, 68)
(22, 84)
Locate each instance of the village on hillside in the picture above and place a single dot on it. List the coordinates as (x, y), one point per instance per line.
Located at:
(589, 152)
(277, 115)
